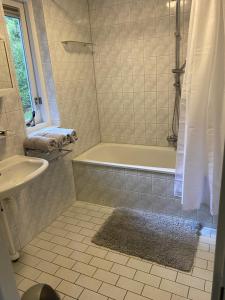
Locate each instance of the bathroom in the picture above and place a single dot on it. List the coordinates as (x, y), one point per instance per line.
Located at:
(107, 69)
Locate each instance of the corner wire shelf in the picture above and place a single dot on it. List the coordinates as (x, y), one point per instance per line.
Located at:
(78, 42)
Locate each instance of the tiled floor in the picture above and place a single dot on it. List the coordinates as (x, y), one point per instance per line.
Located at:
(64, 257)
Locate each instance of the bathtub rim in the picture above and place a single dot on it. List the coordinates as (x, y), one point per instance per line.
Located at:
(79, 159)
(125, 166)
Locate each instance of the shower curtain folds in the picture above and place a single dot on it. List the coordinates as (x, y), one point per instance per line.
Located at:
(201, 130)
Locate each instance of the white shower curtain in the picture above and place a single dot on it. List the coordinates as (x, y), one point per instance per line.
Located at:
(201, 132)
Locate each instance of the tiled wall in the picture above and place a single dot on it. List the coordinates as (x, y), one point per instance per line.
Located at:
(134, 54)
(72, 67)
(44, 199)
(146, 190)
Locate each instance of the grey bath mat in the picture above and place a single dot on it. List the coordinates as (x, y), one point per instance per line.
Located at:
(170, 241)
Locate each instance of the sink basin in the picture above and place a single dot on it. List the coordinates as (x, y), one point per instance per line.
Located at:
(18, 170)
(15, 172)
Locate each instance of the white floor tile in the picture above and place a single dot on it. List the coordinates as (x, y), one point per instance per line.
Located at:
(56, 231)
(60, 240)
(77, 246)
(132, 296)
(195, 294)
(96, 251)
(89, 295)
(64, 261)
(45, 236)
(200, 263)
(29, 260)
(174, 287)
(101, 263)
(72, 228)
(190, 281)
(205, 255)
(82, 257)
(47, 267)
(64, 256)
(25, 284)
(89, 283)
(64, 251)
(130, 285)
(26, 271)
(118, 258)
(208, 286)
(67, 275)
(58, 224)
(87, 225)
(148, 279)
(139, 265)
(74, 236)
(70, 289)
(29, 249)
(49, 279)
(84, 269)
(46, 255)
(163, 272)
(105, 276)
(112, 291)
(88, 232)
(204, 274)
(123, 270)
(46, 245)
(155, 294)
(175, 297)
(18, 278)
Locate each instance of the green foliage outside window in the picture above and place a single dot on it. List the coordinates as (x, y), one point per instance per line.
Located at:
(17, 48)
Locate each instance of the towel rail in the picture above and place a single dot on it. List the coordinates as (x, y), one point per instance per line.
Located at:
(49, 156)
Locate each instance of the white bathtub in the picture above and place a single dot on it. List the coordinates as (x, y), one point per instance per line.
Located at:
(138, 177)
(156, 159)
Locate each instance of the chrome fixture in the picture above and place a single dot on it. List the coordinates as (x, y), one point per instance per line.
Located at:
(4, 133)
(178, 71)
(78, 42)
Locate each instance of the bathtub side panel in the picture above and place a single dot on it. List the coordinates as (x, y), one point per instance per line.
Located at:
(119, 187)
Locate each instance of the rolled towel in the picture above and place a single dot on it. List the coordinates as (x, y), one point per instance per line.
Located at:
(70, 134)
(41, 143)
(60, 138)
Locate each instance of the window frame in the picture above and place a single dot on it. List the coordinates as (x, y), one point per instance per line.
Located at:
(33, 57)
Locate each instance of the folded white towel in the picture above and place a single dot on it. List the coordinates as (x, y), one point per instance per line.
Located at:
(45, 144)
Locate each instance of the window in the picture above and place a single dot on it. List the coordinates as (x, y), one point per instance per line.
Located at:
(27, 75)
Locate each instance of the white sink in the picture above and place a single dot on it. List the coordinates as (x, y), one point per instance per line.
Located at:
(17, 170)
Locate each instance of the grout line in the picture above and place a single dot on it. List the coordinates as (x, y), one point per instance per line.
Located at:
(99, 268)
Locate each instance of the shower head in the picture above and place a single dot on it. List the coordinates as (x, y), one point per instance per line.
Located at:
(172, 3)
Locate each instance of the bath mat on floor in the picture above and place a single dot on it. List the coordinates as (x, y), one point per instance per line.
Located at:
(170, 241)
